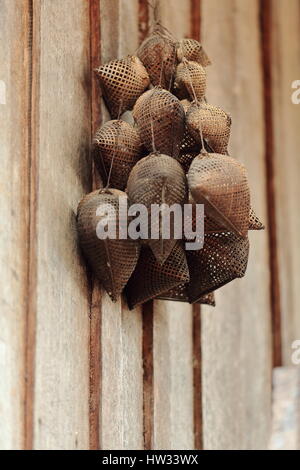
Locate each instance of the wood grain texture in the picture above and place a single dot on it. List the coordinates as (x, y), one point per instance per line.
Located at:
(122, 371)
(197, 376)
(173, 321)
(14, 213)
(266, 49)
(173, 376)
(96, 292)
(285, 433)
(195, 29)
(286, 121)
(236, 347)
(148, 405)
(145, 19)
(61, 398)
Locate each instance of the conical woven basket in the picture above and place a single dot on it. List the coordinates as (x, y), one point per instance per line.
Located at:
(158, 54)
(122, 82)
(120, 142)
(214, 123)
(189, 148)
(221, 184)
(192, 50)
(158, 179)
(112, 260)
(180, 294)
(190, 80)
(207, 299)
(254, 222)
(150, 278)
(218, 226)
(223, 258)
(160, 120)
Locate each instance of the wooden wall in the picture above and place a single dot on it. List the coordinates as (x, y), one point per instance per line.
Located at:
(78, 371)
(236, 340)
(285, 69)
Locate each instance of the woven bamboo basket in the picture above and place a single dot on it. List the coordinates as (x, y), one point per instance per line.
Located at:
(122, 81)
(112, 260)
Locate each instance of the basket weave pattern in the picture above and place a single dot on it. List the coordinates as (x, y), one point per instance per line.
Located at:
(176, 151)
(122, 82)
(190, 80)
(213, 122)
(158, 54)
(221, 183)
(160, 120)
(113, 261)
(192, 50)
(119, 141)
(158, 179)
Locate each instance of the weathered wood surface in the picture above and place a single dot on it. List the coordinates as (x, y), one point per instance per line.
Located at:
(61, 387)
(236, 365)
(121, 338)
(71, 361)
(14, 213)
(286, 120)
(285, 433)
(173, 376)
(172, 343)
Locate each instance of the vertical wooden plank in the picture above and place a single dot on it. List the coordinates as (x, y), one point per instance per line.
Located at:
(195, 12)
(145, 19)
(173, 376)
(148, 405)
(173, 321)
(286, 119)
(197, 379)
(96, 293)
(14, 213)
(266, 42)
(61, 394)
(236, 349)
(285, 433)
(122, 372)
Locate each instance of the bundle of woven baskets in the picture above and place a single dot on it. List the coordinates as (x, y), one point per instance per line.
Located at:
(172, 148)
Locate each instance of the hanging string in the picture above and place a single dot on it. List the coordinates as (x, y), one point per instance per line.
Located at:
(152, 135)
(152, 122)
(154, 5)
(173, 67)
(103, 166)
(185, 63)
(155, 8)
(163, 200)
(161, 70)
(115, 147)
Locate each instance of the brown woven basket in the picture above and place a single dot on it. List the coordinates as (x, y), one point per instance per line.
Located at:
(213, 122)
(119, 141)
(254, 222)
(186, 103)
(180, 294)
(190, 80)
(208, 299)
(223, 258)
(122, 82)
(112, 261)
(150, 278)
(218, 226)
(192, 50)
(158, 54)
(160, 120)
(189, 148)
(157, 179)
(221, 184)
